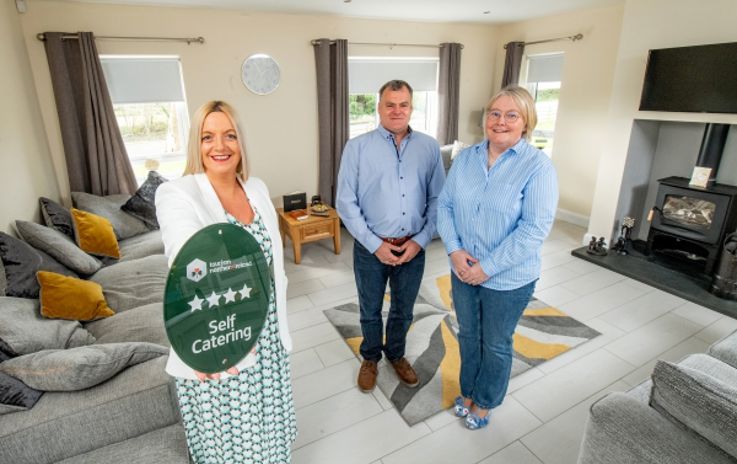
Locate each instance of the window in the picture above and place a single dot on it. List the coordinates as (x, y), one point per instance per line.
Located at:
(366, 75)
(543, 81)
(148, 99)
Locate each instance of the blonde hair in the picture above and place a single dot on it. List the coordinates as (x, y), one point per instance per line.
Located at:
(524, 102)
(194, 154)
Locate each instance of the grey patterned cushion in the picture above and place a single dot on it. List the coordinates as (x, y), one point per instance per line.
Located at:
(108, 207)
(23, 330)
(57, 217)
(58, 246)
(701, 394)
(141, 204)
(78, 368)
(21, 262)
(15, 395)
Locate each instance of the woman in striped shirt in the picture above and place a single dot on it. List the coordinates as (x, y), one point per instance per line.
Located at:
(495, 211)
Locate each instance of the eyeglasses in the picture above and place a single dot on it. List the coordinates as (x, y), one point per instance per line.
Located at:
(509, 116)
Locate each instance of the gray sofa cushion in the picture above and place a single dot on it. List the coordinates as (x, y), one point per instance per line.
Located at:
(701, 393)
(134, 283)
(166, 445)
(108, 207)
(623, 430)
(66, 424)
(142, 324)
(78, 368)
(57, 217)
(140, 246)
(21, 262)
(445, 152)
(726, 349)
(141, 204)
(15, 395)
(23, 330)
(58, 246)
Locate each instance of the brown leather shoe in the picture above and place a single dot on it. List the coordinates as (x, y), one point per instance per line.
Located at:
(405, 372)
(367, 376)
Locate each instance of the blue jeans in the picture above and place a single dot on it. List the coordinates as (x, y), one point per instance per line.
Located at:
(486, 322)
(404, 282)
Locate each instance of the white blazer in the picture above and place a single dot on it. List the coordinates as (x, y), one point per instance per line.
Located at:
(186, 205)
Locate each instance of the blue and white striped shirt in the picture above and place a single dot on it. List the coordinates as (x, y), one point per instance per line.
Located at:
(501, 215)
(389, 191)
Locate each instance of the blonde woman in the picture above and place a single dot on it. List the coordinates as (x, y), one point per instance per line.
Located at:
(496, 208)
(245, 414)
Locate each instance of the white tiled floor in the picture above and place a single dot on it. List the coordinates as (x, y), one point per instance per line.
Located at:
(544, 414)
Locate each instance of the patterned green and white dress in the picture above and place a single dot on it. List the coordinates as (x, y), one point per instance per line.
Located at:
(247, 418)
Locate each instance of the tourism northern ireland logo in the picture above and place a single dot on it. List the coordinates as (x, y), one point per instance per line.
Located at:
(196, 270)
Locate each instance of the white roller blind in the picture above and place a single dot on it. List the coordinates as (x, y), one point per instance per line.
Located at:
(545, 68)
(143, 80)
(368, 75)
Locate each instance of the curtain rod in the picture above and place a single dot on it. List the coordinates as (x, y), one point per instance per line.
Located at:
(572, 38)
(387, 44)
(42, 37)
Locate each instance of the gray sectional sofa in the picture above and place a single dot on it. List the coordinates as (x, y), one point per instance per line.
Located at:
(132, 416)
(685, 414)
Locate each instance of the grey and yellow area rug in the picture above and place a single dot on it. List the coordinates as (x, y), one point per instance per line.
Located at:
(432, 348)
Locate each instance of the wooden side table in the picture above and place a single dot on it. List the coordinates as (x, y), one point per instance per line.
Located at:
(309, 230)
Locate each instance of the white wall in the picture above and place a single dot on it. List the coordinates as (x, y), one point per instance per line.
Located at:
(650, 24)
(25, 167)
(588, 67)
(281, 128)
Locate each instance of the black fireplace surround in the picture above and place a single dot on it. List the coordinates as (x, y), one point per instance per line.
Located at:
(690, 223)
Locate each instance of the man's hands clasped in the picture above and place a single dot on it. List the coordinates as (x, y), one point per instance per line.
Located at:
(393, 255)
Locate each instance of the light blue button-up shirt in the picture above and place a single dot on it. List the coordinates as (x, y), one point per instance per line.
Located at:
(390, 191)
(500, 215)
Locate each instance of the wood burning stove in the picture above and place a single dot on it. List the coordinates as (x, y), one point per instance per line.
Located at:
(690, 223)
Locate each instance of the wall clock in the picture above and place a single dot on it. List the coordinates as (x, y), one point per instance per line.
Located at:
(260, 74)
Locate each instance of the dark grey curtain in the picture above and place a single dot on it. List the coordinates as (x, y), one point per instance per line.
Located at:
(449, 84)
(512, 63)
(96, 159)
(331, 62)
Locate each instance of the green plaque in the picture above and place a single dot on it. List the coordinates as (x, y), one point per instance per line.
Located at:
(217, 297)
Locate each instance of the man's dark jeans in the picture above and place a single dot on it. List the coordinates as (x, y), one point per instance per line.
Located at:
(404, 282)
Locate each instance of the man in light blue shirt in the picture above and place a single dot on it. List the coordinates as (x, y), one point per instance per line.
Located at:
(388, 186)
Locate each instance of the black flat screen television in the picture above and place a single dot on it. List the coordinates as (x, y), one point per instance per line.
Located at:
(697, 79)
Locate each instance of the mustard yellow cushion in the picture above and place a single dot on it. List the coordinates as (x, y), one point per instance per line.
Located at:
(64, 297)
(95, 234)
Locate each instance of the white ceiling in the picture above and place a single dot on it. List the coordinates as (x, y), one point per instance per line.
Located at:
(499, 11)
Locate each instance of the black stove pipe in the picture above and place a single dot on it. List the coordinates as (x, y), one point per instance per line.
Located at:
(712, 147)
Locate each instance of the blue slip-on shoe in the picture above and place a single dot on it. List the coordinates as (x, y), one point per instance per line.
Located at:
(460, 409)
(474, 422)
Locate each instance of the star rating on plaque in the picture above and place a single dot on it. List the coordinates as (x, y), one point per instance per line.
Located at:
(213, 300)
(245, 292)
(230, 295)
(196, 304)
